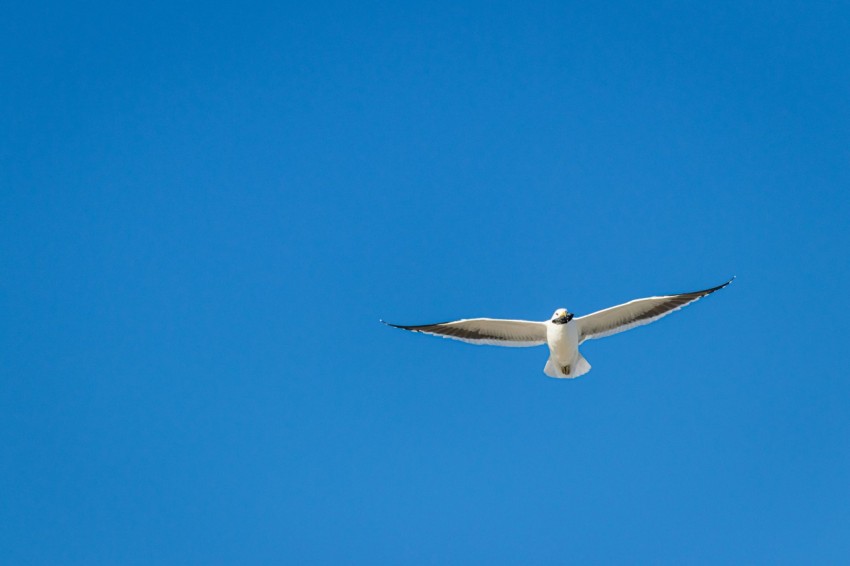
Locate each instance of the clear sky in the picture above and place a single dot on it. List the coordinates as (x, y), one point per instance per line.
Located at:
(206, 208)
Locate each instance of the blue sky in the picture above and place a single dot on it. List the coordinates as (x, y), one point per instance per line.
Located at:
(206, 208)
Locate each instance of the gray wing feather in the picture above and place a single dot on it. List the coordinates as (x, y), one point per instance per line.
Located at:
(489, 331)
(636, 313)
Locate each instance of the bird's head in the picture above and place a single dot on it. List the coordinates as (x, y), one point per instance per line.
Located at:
(562, 316)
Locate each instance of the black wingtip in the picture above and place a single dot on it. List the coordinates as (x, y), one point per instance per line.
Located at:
(713, 289)
(415, 327)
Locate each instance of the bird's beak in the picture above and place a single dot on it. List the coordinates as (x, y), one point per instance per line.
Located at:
(564, 318)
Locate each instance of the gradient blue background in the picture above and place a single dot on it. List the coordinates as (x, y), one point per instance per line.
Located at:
(206, 208)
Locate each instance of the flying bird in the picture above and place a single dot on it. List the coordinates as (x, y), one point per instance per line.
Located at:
(563, 332)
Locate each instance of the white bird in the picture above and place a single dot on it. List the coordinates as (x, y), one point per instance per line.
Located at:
(563, 333)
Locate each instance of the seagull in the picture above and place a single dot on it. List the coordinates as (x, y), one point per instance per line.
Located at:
(564, 332)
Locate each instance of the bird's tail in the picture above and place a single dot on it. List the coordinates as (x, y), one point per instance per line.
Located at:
(555, 369)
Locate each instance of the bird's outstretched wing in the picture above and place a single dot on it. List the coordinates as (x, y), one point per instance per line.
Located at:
(491, 331)
(635, 313)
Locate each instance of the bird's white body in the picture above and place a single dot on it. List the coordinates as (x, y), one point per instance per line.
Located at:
(563, 332)
(564, 357)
